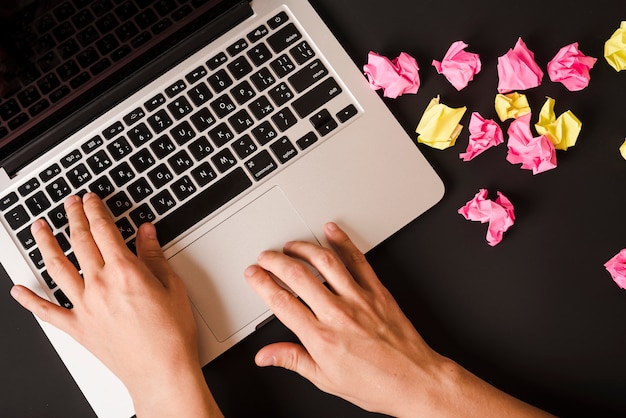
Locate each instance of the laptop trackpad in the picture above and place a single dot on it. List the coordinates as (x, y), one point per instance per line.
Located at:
(212, 266)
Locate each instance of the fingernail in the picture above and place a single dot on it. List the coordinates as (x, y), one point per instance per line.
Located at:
(264, 361)
(71, 200)
(88, 196)
(331, 226)
(250, 271)
(37, 225)
(148, 231)
(15, 292)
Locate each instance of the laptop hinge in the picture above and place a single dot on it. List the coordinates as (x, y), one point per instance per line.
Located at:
(125, 85)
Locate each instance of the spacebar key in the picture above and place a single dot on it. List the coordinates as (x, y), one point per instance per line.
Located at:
(202, 205)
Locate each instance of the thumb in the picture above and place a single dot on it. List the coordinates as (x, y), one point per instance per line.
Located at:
(290, 356)
(150, 253)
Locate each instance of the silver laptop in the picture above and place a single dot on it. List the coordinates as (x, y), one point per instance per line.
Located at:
(234, 126)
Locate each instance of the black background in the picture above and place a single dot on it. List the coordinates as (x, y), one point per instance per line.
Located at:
(538, 315)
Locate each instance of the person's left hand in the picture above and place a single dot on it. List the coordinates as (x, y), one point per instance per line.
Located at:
(131, 312)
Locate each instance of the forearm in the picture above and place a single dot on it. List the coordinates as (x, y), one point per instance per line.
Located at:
(183, 395)
(459, 393)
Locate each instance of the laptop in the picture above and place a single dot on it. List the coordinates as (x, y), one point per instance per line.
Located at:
(233, 125)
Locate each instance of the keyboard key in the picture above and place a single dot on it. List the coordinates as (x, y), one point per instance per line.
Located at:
(119, 203)
(64, 244)
(242, 92)
(155, 102)
(200, 148)
(347, 113)
(203, 174)
(162, 202)
(284, 38)
(239, 68)
(126, 229)
(122, 174)
(222, 106)
(244, 147)
(224, 160)
(8, 201)
(284, 119)
(38, 107)
(50, 172)
(199, 94)
(282, 66)
(58, 189)
(139, 135)
(237, 47)
(183, 133)
(261, 107)
(92, 144)
(37, 203)
(142, 160)
(175, 88)
(221, 135)
(260, 165)
(160, 121)
(302, 52)
(258, 33)
(180, 161)
(58, 217)
(220, 81)
(216, 61)
(278, 20)
(71, 158)
(48, 279)
(316, 97)
(262, 79)
(259, 54)
(139, 190)
(307, 76)
(79, 176)
(197, 74)
(179, 108)
(17, 217)
(200, 206)
(281, 94)
(283, 149)
(29, 187)
(160, 176)
(241, 121)
(203, 119)
(62, 299)
(306, 141)
(142, 214)
(131, 118)
(99, 162)
(162, 146)
(113, 130)
(264, 133)
(119, 148)
(26, 238)
(183, 188)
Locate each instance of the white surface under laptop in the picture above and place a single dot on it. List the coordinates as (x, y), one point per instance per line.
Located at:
(369, 177)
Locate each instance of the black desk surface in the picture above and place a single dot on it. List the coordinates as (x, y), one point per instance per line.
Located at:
(537, 316)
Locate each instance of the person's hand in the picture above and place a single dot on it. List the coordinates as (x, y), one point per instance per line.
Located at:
(131, 312)
(357, 343)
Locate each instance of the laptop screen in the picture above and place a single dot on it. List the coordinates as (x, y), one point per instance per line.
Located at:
(57, 56)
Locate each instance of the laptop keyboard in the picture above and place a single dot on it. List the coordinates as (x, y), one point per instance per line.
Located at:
(76, 41)
(215, 133)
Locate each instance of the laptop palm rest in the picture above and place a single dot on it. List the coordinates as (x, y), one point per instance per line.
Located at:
(212, 266)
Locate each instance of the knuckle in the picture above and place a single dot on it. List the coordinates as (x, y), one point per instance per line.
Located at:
(280, 299)
(324, 258)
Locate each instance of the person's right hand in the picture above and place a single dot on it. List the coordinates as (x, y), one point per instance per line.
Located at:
(357, 343)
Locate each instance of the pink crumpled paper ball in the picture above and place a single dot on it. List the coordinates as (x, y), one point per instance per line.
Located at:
(617, 267)
(571, 67)
(484, 134)
(517, 69)
(395, 77)
(458, 65)
(500, 214)
(534, 153)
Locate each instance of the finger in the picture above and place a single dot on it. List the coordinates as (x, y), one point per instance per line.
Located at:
(83, 244)
(43, 309)
(298, 277)
(287, 308)
(58, 266)
(352, 257)
(326, 262)
(103, 229)
(150, 253)
(290, 356)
